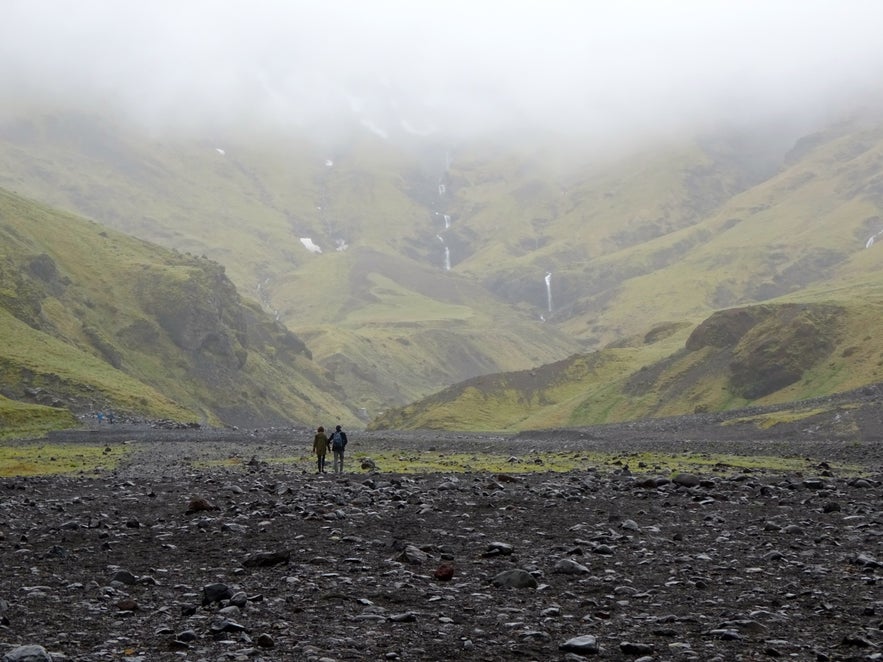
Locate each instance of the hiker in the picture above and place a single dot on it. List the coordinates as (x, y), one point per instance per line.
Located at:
(338, 445)
(320, 448)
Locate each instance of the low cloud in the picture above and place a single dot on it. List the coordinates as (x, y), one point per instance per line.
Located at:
(599, 69)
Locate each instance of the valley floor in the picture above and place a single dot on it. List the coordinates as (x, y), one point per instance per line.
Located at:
(198, 549)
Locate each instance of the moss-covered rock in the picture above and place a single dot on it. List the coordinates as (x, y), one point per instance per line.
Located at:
(725, 328)
(778, 351)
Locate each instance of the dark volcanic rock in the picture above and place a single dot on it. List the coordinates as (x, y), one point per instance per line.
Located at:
(619, 565)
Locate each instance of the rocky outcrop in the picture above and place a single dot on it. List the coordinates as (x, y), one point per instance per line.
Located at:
(771, 346)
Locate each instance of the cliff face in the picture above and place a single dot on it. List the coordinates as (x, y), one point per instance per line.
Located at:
(97, 320)
(769, 346)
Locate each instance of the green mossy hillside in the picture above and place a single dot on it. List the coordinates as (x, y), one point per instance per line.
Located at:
(553, 249)
(770, 354)
(95, 320)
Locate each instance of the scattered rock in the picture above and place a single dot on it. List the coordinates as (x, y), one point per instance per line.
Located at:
(729, 564)
(583, 645)
(27, 654)
(515, 578)
(266, 559)
(444, 573)
(200, 504)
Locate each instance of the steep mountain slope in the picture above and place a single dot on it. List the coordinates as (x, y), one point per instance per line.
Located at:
(755, 356)
(805, 227)
(264, 207)
(92, 319)
(409, 266)
(803, 241)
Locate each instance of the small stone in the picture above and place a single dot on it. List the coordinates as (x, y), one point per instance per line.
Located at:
(686, 480)
(27, 654)
(198, 504)
(124, 577)
(499, 549)
(444, 572)
(215, 593)
(516, 578)
(413, 555)
(584, 645)
(267, 559)
(634, 648)
(570, 567)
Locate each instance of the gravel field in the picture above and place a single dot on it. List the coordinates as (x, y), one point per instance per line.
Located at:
(167, 558)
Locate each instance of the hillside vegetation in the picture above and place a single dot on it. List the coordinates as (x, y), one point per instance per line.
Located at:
(376, 306)
(95, 320)
(764, 355)
(505, 287)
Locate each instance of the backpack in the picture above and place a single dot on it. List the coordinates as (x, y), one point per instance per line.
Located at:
(337, 442)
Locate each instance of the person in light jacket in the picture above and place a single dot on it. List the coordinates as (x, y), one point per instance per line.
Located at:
(320, 448)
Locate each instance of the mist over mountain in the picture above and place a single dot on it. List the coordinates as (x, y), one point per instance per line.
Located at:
(610, 74)
(426, 195)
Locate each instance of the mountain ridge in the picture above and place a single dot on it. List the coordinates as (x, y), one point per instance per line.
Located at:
(546, 260)
(96, 320)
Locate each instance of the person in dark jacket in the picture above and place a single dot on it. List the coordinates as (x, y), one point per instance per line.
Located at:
(320, 448)
(338, 445)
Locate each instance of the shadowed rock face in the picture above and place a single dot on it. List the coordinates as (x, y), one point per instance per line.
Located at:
(771, 346)
(726, 564)
(201, 314)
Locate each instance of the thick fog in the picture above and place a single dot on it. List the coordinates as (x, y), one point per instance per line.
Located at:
(599, 68)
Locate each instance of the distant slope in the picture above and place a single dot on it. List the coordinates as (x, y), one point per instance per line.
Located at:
(803, 228)
(442, 263)
(248, 201)
(760, 355)
(92, 319)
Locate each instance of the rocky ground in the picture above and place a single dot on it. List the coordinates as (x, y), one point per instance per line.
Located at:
(165, 559)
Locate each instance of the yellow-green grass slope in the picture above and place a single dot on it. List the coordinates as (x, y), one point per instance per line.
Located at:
(665, 234)
(382, 312)
(95, 319)
(18, 419)
(769, 354)
(30, 458)
(804, 228)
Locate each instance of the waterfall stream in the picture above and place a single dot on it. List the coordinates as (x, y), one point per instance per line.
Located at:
(549, 291)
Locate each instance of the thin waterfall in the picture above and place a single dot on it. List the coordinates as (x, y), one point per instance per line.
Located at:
(549, 291)
(447, 259)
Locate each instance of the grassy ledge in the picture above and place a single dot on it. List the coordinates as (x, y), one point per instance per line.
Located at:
(57, 459)
(426, 462)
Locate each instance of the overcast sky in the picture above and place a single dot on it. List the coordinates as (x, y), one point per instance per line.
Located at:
(599, 67)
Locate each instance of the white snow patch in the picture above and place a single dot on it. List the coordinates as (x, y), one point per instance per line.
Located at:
(220, 151)
(309, 245)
